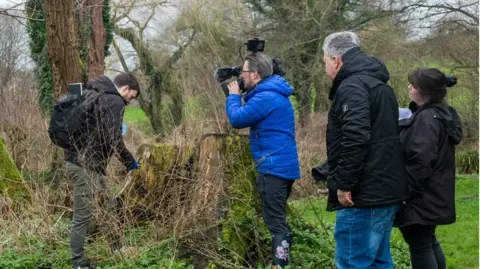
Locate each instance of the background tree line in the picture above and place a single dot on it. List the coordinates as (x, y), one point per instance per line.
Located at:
(174, 47)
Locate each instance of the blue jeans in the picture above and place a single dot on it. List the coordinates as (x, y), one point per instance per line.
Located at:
(362, 237)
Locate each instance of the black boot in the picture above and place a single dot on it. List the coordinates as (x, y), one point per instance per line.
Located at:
(281, 244)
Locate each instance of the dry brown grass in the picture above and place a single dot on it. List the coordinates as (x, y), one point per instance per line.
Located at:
(312, 151)
(23, 126)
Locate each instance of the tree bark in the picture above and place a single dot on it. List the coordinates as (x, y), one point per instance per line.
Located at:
(63, 54)
(98, 38)
(62, 44)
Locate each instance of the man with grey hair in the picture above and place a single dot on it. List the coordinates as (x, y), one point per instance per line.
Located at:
(269, 114)
(366, 178)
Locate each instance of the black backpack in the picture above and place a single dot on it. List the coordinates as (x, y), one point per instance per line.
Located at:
(71, 116)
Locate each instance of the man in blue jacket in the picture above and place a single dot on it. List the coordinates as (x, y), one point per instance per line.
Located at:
(269, 114)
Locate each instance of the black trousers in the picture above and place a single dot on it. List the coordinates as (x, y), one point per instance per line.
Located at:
(274, 193)
(425, 250)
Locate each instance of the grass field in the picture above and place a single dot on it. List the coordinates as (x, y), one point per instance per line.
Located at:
(459, 240)
(135, 116)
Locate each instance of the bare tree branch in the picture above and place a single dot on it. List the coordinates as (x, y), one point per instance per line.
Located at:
(447, 8)
(178, 53)
(142, 29)
(18, 18)
(123, 16)
(120, 55)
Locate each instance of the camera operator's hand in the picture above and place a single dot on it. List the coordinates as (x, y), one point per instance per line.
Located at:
(233, 87)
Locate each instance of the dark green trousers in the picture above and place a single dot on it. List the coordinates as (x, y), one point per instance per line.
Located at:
(91, 201)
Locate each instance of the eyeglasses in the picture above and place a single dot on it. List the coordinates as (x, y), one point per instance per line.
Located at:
(247, 71)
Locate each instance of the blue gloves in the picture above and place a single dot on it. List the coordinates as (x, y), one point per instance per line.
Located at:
(133, 165)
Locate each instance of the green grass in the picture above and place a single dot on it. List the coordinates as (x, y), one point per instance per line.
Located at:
(134, 116)
(459, 240)
(149, 254)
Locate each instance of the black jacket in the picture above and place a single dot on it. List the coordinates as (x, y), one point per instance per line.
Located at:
(103, 135)
(429, 138)
(364, 152)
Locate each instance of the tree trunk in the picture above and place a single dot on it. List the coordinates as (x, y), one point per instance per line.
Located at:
(156, 119)
(303, 105)
(98, 38)
(62, 44)
(177, 106)
(62, 51)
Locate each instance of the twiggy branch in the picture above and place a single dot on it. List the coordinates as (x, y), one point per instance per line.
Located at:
(179, 52)
(6, 12)
(449, 8)
(142, 29)
(120, 55)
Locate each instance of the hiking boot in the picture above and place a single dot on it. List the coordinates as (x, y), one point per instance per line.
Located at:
(281, 245)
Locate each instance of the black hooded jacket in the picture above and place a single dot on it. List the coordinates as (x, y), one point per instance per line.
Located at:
(429, 138)
(103, 135)
(364, 152)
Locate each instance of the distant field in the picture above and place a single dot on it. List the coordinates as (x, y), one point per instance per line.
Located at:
(135, 116)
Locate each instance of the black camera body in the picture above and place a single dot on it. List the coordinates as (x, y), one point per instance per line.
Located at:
(253, 45)
(225, 73)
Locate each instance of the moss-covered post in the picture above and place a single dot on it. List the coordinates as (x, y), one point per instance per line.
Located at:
(144, 188)
(11, 183)
(243, 233)
(225, 164)
(211, 161)
(206, 198)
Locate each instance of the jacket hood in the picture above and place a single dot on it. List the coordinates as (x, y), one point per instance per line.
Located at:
(448, 116)
(104, 84)
(451, 121)
(355, 61)
(274, 83)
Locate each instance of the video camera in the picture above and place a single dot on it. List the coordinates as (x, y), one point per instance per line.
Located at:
(225, 73)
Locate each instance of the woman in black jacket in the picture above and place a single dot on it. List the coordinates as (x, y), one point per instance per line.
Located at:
(429, 137)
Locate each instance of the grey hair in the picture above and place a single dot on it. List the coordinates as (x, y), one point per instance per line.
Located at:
(339, 43)
(260, 63)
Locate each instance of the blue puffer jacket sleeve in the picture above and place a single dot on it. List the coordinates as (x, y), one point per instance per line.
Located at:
(255, 110)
